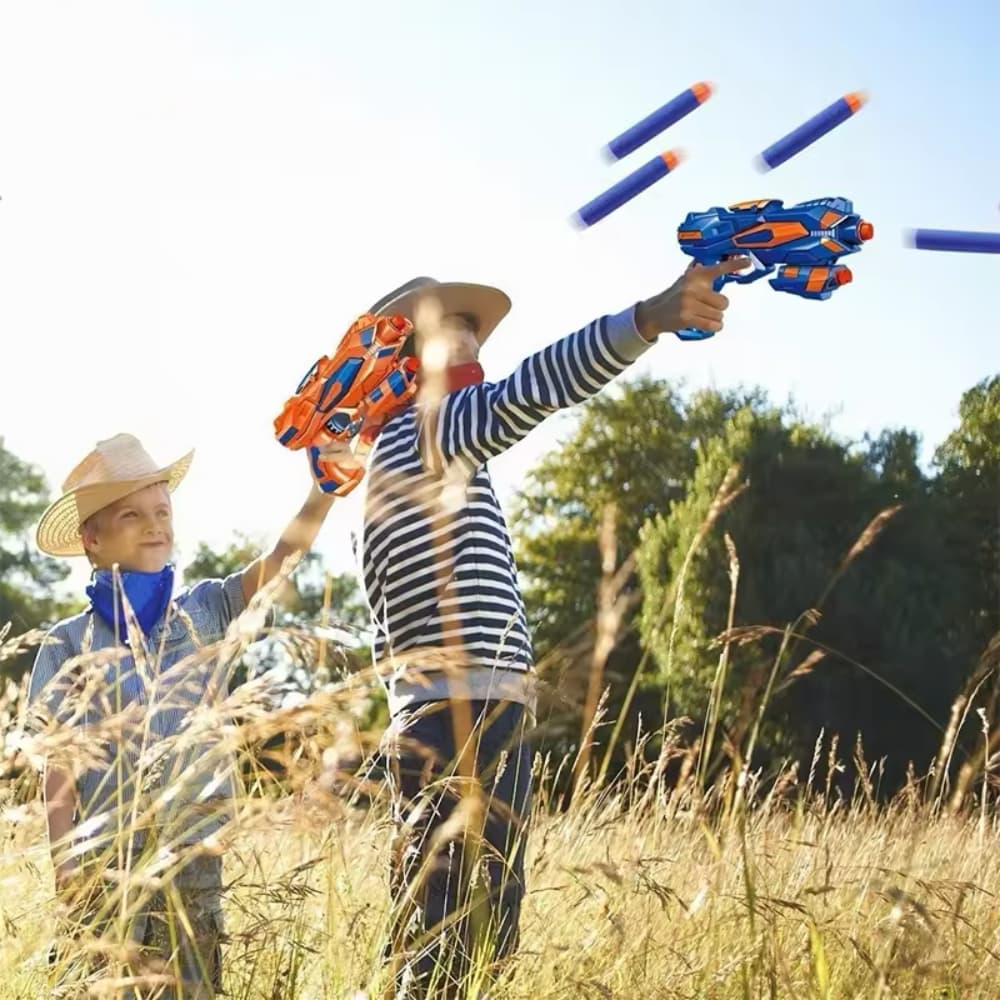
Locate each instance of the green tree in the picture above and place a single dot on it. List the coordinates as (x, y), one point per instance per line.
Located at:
(27, 577)
(967, 489)
(634, 446)
(966, 493)
(973, 448)
(855, 536)
(894, 457)
(312, 597)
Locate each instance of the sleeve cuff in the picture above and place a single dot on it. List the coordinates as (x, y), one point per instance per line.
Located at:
(624, 336)
(232, 588)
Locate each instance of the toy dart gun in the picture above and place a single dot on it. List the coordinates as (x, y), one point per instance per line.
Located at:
(803, 241)
(350, 396)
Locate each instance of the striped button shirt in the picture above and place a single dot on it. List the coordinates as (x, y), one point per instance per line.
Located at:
(437, 562)
(136, 723)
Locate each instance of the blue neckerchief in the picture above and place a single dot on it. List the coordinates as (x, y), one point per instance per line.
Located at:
(148, 593)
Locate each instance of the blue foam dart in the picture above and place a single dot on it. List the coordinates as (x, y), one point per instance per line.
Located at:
(955, 241)
(807, 133)
(627, 188)
(659, 121)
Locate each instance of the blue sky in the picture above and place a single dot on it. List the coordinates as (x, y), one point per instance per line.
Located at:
(198, 197)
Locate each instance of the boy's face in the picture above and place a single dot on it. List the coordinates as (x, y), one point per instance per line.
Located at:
(453, 342)
(136, 532)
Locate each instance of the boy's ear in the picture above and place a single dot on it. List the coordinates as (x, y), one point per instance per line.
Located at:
(88, 533)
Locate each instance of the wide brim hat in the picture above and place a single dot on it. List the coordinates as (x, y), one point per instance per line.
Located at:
(488, 304)
(114, 469)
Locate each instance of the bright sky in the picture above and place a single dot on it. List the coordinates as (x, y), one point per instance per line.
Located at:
(198, 197)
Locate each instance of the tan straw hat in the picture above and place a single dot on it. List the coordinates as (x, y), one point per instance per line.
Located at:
(489, 305)
(114, 469)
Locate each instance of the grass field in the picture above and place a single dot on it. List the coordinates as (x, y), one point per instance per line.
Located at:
(637, 888)
(633, 894)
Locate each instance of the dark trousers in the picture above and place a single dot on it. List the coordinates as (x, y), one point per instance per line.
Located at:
(461, 775)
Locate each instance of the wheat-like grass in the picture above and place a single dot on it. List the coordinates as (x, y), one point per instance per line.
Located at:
(658, 884)
(638, 890)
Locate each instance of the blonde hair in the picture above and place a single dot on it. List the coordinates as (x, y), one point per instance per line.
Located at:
(90, 525)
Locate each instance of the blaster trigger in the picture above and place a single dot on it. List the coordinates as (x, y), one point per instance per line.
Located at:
(758, 272)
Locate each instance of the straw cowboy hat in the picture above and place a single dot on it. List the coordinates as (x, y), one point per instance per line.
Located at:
(114, 469)
(489, 305)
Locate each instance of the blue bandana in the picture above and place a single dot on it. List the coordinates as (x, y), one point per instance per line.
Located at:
(148, 593)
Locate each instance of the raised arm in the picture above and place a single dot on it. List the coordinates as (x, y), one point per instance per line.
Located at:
(481, 421)
(299, 536)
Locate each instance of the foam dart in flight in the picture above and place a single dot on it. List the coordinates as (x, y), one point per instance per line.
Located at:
(954, 240)
(807, 133)
(627, 188)
(659, 121)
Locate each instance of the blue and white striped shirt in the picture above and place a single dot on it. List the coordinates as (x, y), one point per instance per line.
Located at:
(438, 563)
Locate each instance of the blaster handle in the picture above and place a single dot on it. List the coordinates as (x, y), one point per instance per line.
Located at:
(692, 332)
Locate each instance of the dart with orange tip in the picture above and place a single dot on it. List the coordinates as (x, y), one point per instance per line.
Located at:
(659, 121)
(627, 188)
(807, 133)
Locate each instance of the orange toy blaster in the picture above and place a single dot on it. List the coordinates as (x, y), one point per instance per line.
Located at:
(350, 395)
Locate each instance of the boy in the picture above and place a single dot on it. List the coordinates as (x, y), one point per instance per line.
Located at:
(441, 582)
(116, 510)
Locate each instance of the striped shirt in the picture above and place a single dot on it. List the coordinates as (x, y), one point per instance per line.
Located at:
(139, 720)
(437, 562)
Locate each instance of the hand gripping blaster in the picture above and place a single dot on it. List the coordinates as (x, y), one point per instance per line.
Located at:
(803, 241)
(350, 395)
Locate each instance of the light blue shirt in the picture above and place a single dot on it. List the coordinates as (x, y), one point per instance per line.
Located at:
(84, 679)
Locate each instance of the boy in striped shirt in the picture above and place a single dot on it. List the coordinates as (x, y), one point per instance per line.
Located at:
(441, 582)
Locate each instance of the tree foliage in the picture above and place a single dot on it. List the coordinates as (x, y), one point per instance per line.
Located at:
(878, 581)
(28, 578)
(967, 490)
(888, 574)
(635, 446)
(865, 541)
(311, 597)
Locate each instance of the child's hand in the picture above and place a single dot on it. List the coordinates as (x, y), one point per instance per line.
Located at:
(66, 874)
(335, 469)
(689, 302)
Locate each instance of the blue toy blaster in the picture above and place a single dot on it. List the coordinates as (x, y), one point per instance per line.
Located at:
(804, 242)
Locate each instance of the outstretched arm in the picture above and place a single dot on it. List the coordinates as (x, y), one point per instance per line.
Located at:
(299, 536)
(481, 421)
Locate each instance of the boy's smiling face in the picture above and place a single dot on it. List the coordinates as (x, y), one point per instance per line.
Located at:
(136, 532)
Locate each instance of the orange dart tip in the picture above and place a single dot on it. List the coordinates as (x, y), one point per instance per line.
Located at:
(672, 157)
(703, 91)
(856, 100)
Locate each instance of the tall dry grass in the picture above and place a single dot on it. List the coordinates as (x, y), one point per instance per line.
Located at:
(641, 886)
(639, 891)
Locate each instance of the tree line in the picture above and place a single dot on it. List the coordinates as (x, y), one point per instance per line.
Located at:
(708, 563)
